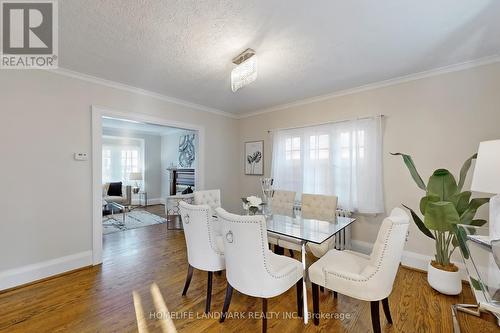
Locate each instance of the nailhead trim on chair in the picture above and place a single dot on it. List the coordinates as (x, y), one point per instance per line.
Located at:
(214, 248)
(379, 264)
(263, 251)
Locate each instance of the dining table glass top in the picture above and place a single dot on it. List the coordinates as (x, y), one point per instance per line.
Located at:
(308, 230)
(482, 261)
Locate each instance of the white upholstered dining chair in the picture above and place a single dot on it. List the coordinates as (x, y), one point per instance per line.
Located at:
(319, 207)
(204, 246)
(251, 268)
(282, 203)
(324, 208)
(368, 278)
(208, 197)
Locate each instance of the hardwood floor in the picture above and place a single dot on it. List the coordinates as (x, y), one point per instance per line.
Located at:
(100, 299)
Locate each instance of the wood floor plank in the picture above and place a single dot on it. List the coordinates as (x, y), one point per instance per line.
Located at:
(100, 298)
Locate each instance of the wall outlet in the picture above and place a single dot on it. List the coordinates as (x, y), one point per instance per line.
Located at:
(81, 156)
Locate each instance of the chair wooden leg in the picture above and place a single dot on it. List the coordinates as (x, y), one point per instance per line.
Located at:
(291, 253)
(315, 294)
(300, 299)
(335, 295)
(227, 301)
(322, 289)
(209, 292)
(264, 317)
(375, 316)
(387, 310)
(188, 280)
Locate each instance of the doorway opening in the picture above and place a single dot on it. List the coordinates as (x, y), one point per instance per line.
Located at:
(139, 163)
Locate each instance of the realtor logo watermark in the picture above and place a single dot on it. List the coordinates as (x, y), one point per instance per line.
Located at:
(29, 34)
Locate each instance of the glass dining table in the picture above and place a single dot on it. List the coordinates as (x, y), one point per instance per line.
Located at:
(305, 231)
(482, 263)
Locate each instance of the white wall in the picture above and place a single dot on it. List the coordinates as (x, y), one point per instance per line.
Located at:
(439, 120)
(46, 201)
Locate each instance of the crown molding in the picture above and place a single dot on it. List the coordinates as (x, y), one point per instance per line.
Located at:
(376, 85)
(140, 91)
(371, 86)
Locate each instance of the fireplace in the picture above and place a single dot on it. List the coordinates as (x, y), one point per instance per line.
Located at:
(181, 179)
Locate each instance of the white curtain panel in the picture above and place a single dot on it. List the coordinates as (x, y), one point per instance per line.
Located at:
(120, 157)
(342, 159)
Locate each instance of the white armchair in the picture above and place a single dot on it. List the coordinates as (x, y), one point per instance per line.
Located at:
(210, 198)
(204, 246)
(125, 199)
(368, 278)
(172, 203)
(251, 268)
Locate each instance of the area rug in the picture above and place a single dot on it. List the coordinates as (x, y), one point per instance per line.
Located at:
(134, 219)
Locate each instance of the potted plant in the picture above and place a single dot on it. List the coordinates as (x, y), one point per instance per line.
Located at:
(444, 206)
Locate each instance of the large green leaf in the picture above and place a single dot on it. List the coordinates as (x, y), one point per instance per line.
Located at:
(419, 223)
(413, 170)
(461, 201)
(425, 200)
(478, 223)
(443, 184)
(440, 216)
(459, 240)
(464, 170)
(467, 216)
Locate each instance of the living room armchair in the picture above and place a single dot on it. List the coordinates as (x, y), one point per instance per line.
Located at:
(125, 199)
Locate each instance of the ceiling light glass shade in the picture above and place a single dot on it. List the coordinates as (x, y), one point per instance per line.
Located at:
(243, 74)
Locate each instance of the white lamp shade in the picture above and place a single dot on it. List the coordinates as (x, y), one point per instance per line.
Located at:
(135, 176)
(487, 171)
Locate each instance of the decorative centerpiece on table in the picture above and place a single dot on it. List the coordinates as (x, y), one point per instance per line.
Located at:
(268, 192)
(251, 204)
(444, 206)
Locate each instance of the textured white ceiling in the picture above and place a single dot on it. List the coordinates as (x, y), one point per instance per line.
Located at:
(183, 48)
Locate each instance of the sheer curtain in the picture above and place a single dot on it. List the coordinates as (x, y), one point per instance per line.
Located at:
(342, 159)
(120, 157)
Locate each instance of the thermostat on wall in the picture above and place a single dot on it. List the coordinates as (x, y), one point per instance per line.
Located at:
(81, 156)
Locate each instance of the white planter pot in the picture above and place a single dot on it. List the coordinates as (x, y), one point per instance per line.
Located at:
(448, 283)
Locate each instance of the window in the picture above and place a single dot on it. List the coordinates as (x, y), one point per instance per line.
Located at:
(130, 161)
(292, 148)
(342, 159)
(319, 147)
(120, 157)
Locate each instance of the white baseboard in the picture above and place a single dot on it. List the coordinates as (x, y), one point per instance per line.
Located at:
(409, 259)
(18, 276)
(154, 201)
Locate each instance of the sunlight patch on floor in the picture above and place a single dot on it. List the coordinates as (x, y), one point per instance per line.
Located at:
(161, 310)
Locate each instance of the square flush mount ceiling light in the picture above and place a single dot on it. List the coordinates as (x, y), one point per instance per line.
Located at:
(246, 70)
